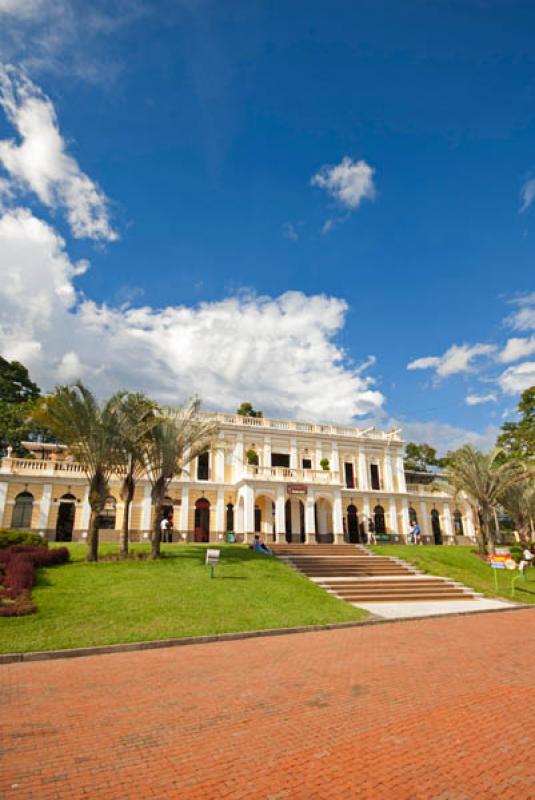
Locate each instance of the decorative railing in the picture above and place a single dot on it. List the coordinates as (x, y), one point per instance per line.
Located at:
(39, 466)
(295, 475)
(305, 427)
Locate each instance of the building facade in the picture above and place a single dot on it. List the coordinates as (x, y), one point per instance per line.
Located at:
(287, 481)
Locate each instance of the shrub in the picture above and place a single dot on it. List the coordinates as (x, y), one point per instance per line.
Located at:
(252, 457)
(18, 564)
(324, 463)
(8, 538)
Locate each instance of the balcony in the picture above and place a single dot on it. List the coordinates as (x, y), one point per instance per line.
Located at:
(289, 426)
(34, 466)
(292, 475)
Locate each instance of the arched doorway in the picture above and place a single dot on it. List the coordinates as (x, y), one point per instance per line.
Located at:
(230, 518)
(294, 516)
(257, 519)
(413, 516)
(379, 520)
(202, 520)
(352, 524)
(22, 511)
(65, 521)
(458, 523)
(435, 526)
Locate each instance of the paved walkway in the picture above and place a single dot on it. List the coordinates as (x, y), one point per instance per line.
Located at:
(435, 709)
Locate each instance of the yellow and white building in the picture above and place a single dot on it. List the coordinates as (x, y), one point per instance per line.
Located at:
(291, 494)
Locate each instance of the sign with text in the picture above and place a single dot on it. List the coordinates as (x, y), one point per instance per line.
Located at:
(295, 489)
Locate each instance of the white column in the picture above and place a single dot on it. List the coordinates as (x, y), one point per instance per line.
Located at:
(424, 519)
(146, 508)
(468, 521)
(238, 457)
(363, 470)
(393, 516)
(220, 462)
(220, 512)
(401, 484)
(335, 461)
(184, 511)
(338, 524)
(448, 527)
(310, 519)
(293, 453)
(86, 510)
(248, 522)
(405, 520)
(280, 520)
(44, 507)
(319, 455)
(3, 496)
(267, 451)
(387, 472)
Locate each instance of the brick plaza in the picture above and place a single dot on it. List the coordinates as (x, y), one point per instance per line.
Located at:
(436, 708)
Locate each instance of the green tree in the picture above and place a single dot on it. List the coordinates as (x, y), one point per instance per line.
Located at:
(91, 432)
(247, 410)
(484, 479)
(18, 394)
(519, 502)
(420, 457)
(178, 437)
(135, 416)
(518, 438)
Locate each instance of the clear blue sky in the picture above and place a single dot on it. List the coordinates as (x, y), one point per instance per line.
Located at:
(203, 123)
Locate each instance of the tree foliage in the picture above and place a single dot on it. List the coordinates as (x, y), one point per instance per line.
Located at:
(421, 457)
(18, 394)
(247, 410)
(518, 438)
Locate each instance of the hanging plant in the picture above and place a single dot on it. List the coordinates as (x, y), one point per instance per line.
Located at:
(252, 457)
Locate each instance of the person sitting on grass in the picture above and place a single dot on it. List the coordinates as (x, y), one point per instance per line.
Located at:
(260, 547)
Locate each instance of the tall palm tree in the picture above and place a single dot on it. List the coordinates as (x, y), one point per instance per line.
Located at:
(483, 478)
(178, 437)
(90, 430)
(135, 416)
(519, 501)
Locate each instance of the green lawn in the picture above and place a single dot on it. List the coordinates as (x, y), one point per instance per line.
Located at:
(81, 604)
(464, 565)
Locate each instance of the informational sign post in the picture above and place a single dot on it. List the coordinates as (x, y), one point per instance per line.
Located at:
(502, 560)
(212, 559)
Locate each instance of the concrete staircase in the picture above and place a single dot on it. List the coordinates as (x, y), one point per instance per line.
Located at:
(357, 576)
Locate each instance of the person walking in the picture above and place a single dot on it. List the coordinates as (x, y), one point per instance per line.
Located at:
(371, 532)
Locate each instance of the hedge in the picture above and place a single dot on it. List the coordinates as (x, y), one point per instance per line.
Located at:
(9, 537)
(18, 564)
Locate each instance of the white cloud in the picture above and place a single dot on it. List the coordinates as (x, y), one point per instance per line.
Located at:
(524, 318)
(527, 194)
(446, 437)
(289, 231)
(21, 9)
(457, 359)
(517, 348)
(278, 352)
(515, 379)
(349, 182)
(40, 162)
(478, 399)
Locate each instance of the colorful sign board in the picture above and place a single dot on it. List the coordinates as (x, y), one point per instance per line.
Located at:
(295, 489)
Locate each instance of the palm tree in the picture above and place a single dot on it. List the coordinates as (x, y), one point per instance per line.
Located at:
(178, 437)
(519, 501)
(135, 416)
(483, 478)
(75, 417)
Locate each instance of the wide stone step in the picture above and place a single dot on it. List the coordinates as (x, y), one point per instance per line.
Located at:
(409, 590)
(418, 598)
(349, 585)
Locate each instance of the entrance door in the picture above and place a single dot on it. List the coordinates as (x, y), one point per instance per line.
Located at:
(288, 521)
(435, 524)
(202, 520)
(349, 475)
(352, 524)
(65, 523)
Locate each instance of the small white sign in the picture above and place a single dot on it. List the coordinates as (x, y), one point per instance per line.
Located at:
(212, 557)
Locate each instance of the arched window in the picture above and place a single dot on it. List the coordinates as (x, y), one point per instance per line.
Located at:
(413, 516)
(107, 515)
(230, 517)
(379, 519)
(22, 511)
(458, 523)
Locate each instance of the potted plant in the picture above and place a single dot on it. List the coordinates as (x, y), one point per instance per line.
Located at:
(252, 457)
(324, 463)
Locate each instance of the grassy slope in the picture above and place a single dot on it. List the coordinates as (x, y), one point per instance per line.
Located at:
(463, 564)
(82, 604)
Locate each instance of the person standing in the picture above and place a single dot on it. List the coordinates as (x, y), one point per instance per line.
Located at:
(371, 532)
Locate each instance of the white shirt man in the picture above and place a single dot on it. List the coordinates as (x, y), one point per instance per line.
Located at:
(165, 527)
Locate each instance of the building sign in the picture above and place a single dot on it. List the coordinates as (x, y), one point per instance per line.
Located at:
(296, 489)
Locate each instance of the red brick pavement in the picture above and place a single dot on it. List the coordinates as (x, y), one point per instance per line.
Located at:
(436, 708)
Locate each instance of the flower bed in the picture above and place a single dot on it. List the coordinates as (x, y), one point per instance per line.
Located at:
(18, 564)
